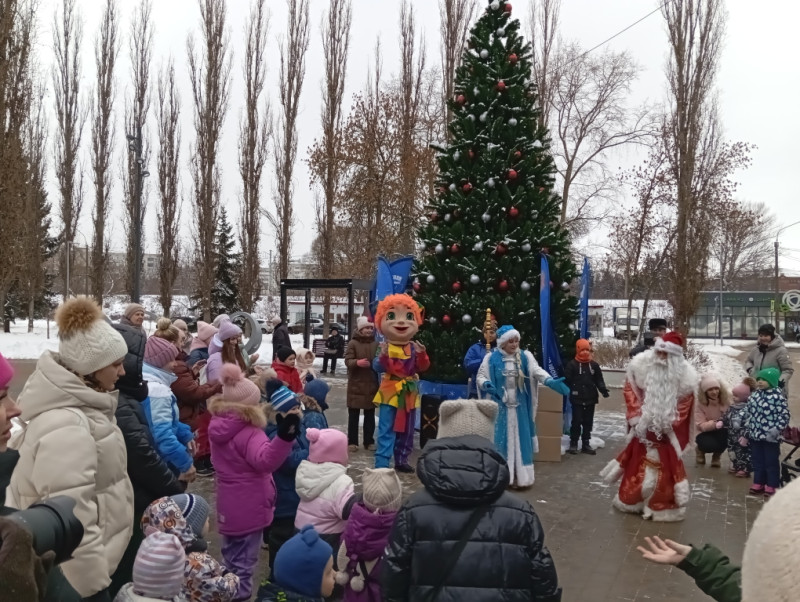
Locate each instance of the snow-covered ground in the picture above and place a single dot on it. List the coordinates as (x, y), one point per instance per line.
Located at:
(20, 344)
(725, 362)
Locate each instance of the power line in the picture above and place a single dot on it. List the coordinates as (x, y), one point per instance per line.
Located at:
(621, 31)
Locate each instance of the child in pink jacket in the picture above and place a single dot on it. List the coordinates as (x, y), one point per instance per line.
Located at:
(244, 459)
(325, 490)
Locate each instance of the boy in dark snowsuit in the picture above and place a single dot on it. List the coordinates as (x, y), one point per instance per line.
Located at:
(584, 379)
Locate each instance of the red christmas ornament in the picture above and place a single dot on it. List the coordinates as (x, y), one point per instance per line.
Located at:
(501, 86)
(471, 154)
(434, 216)
(455, 249)
(456, 287)
(512, 174)
(501, 249)
(541, 188)
(513, 212)
(467, 187)
(461, 99)
(417, 287)
(518, 155)
(507, 7)
(502, 286)
(442, 190)
(446, 319)
(512, 58)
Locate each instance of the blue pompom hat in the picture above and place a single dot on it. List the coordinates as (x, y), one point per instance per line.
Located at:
(506, 333)
(301, 561)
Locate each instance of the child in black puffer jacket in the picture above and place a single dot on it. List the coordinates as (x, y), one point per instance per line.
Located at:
(584, 378)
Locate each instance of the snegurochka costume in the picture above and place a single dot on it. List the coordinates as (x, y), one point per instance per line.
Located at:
(398, 318)
(511, 377)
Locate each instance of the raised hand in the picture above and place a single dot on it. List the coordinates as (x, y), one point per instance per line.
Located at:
(664, 551)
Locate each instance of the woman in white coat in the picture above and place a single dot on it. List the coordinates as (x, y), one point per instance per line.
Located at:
(510, 376)
(71, 444)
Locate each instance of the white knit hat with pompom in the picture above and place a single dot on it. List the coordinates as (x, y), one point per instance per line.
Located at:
(86, 342)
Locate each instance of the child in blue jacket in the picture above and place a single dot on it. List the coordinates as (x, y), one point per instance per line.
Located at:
(170, 435)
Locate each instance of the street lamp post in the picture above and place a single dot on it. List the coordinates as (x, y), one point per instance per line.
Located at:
(135, 146)
(777, 276)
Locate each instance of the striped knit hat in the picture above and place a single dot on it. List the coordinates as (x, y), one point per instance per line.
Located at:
(284, 400)
(158, 568)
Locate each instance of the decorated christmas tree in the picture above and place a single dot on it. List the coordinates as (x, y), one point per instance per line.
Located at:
(494, 213)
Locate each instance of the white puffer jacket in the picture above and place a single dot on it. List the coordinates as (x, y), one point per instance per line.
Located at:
(71, 446)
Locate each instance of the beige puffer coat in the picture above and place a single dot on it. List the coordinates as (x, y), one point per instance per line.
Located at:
(71, 446)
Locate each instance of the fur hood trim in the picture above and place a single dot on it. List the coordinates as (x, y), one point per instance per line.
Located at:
(689, 380)
(254, 415)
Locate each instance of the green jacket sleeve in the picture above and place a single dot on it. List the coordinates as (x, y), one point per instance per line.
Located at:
(713, 573)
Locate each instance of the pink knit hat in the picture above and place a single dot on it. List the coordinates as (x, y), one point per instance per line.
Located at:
(238, 389)
(159, 565)
(327, 445)
(709, 381)
(6, 372)
(228, 330)
(205, 332)
(159, 352)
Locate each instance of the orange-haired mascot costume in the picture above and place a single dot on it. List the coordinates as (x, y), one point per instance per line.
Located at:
(659, 395)
(398, 318)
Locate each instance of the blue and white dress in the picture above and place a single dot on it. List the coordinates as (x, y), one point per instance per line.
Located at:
(516, 377)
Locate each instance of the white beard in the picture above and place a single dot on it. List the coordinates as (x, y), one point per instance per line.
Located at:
(661, 386)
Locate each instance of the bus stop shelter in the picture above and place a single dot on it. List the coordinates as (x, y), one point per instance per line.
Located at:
(351, 285)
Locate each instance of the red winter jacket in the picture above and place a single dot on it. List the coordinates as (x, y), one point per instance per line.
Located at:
(289, 375)
(191, 394)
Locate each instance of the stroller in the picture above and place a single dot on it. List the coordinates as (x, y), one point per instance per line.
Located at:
(790, 468)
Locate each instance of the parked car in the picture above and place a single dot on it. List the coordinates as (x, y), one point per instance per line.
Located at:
(266, 326)
(337, 325)
(298, 327)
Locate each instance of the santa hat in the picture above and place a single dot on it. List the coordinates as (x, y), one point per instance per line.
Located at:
(771, 554)
(459, 417)
(671, 343)
(362, 322)
(506, 334)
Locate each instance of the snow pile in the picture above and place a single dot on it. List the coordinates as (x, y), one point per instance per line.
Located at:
(20, 344)
(725, 362)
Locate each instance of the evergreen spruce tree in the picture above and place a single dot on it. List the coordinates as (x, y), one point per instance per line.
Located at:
(494, 213)
(225, 293)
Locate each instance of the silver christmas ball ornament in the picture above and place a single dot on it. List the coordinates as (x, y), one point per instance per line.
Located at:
(439, 248)
(490, 183)
(495, 5)
(478, 247)
(512, 122)
(526, 248)
(452, 187)
(484, 54)
(525, 286)
(431, 279)
(474, 279)
(565, 286)
(466, 318)
(486, 218)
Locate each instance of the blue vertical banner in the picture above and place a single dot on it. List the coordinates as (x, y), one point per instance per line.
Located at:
(586, 279)
(551, 356)
(401, 270)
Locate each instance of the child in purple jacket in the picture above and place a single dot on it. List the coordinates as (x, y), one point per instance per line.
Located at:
(244, 459)
(366, 535)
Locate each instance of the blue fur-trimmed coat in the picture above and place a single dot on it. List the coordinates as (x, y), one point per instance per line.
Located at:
(527, 398)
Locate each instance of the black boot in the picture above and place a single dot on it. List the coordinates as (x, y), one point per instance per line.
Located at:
(573, 448)
(586, 449)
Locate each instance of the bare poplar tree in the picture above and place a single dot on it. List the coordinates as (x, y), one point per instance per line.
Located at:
(168, 114)
(254, 134)
(105, 55)
(70, 118)
(15, 95)
(543, 19)
(695, 29)
(210, 73)
(455, 19)
(742, 246)
(292, 74)
(137, 106)
(412, 69)
(335, 45)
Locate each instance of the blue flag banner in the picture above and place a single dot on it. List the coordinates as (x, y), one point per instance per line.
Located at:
(586, 278)
(400, 270)
(551, 356)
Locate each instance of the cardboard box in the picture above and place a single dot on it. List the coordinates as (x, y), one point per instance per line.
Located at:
(549, 424)
(549, 449)
(549, 400)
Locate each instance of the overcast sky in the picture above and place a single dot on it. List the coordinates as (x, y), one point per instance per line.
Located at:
(759, 86)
